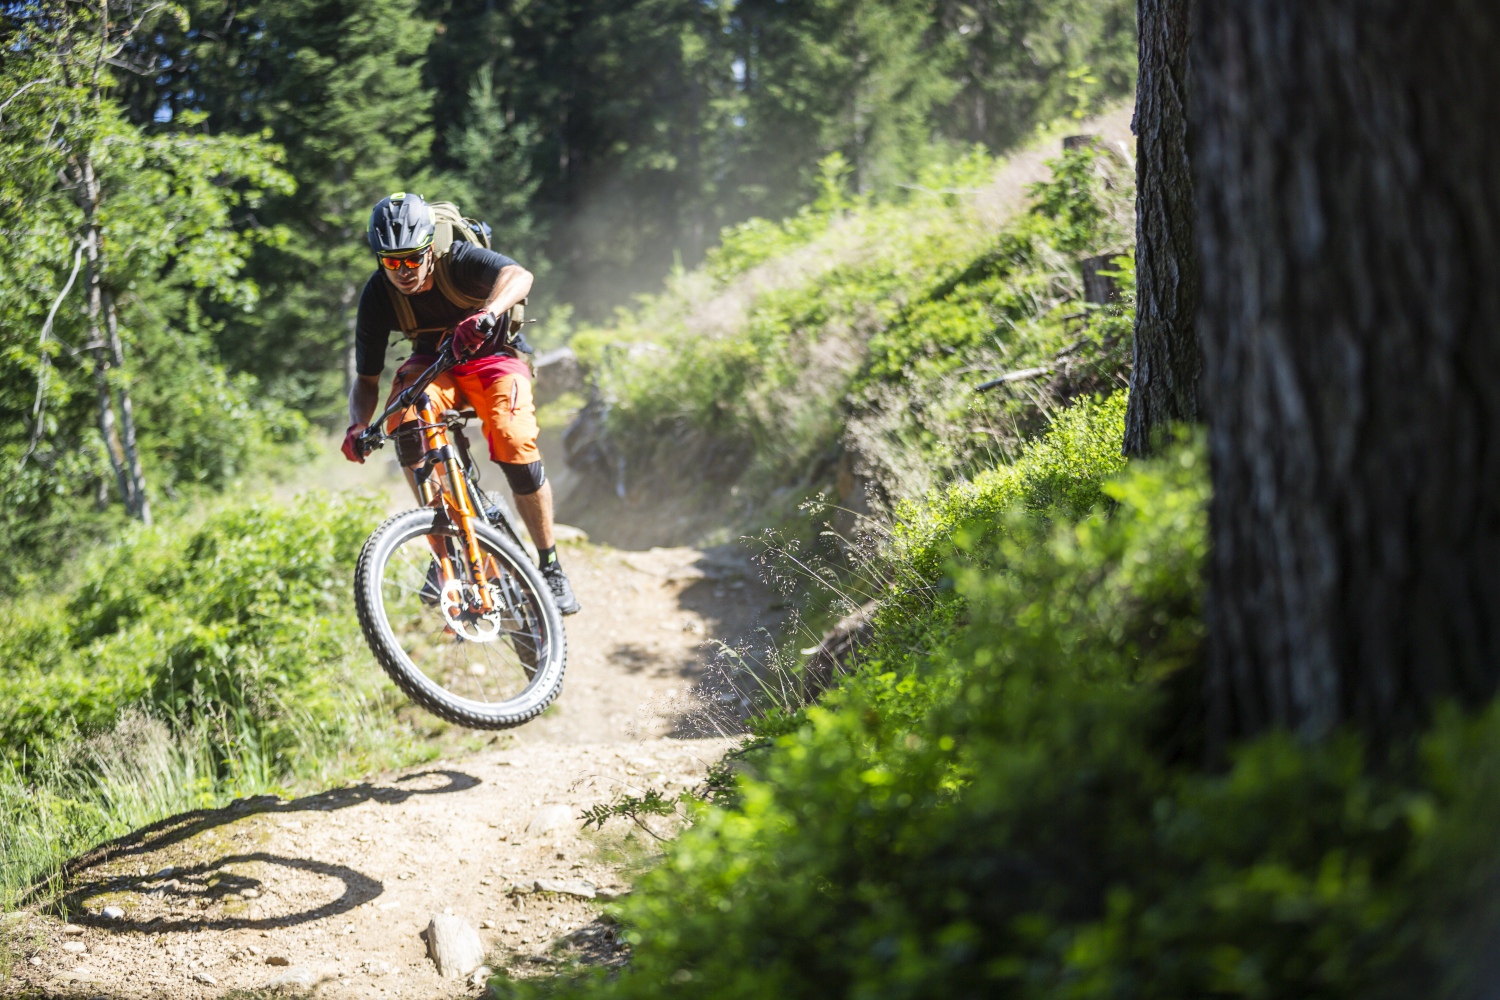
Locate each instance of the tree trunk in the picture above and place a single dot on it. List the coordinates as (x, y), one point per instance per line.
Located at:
(89, 192)
(141, 507)
(106, 417)
(1349, 221)
(119, 443)
(1164, 383)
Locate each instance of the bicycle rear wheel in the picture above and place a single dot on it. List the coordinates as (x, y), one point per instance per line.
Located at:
(483, 672)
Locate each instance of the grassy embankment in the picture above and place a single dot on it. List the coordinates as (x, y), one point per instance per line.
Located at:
(843, 345)
(213, 656)
(1008, 795)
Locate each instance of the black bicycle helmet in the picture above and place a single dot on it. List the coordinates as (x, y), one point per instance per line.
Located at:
(401, 223)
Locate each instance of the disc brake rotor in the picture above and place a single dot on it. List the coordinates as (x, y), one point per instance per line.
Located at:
(475, 626)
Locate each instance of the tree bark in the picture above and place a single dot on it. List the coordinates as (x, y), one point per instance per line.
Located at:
(1165, 380)
(119, 442)
(1349, 221)
(88, 186)
(141, 506)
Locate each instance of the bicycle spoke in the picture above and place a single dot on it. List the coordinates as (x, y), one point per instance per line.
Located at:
(494, 669)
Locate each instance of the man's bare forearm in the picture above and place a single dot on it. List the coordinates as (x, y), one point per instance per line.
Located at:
(363, 395)
(512, 284)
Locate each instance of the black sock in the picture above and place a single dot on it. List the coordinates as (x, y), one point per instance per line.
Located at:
(546, 557)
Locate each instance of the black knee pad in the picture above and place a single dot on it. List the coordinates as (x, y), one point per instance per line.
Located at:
(525, 478)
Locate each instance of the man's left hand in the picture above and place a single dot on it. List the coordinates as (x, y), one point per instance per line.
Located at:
(468, 335)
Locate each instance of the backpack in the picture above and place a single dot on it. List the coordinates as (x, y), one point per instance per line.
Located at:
(449, 224)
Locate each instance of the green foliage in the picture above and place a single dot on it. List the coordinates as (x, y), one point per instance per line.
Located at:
(339, 87)
(756, 241)
(1063, 472)
(636, 808)
(207, 657)
(823, 334)
(1075, 199)
(494, 158)
(164, 206)
(1017, 807)
(1028, 61)
(346, 101)
(244, 612)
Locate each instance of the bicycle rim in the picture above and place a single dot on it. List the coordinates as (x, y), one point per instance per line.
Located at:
(483, 672)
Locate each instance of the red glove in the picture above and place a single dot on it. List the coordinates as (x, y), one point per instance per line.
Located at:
(349, 448)
(468, 335)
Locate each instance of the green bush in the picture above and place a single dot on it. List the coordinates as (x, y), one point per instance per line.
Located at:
(1062, 471)
(242, 612)
(207, 657)
(1019, 808)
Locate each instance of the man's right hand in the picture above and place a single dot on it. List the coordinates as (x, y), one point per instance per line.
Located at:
(471, 333)
(350, 447)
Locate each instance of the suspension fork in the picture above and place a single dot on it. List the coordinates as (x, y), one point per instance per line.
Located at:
(456, 496)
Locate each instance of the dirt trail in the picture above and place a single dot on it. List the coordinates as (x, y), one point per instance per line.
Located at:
(330, 892)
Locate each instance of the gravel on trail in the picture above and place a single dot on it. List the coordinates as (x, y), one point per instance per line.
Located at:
(331, 893)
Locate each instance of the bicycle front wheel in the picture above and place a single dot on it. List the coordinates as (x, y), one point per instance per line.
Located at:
(483, 672)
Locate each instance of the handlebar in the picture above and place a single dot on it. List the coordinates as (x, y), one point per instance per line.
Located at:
(374, 436)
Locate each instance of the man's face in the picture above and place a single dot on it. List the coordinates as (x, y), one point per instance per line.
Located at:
(408, 280)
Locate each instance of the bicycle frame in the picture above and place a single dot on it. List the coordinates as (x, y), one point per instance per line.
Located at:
(440, 453)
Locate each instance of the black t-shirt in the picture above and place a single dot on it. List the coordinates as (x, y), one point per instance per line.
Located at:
(473, 270)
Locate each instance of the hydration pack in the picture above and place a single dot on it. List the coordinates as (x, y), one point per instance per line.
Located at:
(449, 224)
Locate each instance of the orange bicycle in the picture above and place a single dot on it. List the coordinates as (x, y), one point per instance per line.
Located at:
(448, 600)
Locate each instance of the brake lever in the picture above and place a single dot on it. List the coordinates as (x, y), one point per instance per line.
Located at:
(370, 440)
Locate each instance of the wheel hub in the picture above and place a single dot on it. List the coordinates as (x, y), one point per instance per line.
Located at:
(464, 612)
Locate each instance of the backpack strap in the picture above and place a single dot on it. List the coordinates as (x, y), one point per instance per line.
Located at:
(405, 318)
(444, 282)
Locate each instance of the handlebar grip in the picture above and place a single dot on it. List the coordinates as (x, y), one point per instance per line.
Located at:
(369, 440)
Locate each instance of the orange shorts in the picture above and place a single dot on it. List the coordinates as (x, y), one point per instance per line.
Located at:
(499, 394)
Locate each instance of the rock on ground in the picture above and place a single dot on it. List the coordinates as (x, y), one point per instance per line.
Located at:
(453, 946)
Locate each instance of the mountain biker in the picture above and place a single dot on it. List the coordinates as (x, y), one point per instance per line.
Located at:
(497, 385)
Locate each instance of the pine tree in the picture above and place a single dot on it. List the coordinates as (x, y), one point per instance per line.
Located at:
(1349, 218)
(346, 101)
(1021, 62)
(1165, 379)
(494, 180)
(339, 86)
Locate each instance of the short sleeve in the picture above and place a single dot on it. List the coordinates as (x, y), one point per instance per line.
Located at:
(474, 269)
(372, 327)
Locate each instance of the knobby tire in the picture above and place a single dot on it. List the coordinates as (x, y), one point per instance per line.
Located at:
(381, 637)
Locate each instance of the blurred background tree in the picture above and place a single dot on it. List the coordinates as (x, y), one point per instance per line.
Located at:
(117, 240)
(610, 139)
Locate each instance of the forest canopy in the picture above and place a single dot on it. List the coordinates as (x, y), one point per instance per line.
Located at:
(186, 186)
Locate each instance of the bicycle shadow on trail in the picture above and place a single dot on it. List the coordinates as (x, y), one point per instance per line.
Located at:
(185, 826)
(209, 883)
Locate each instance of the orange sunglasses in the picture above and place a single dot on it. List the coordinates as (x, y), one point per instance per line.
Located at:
(409, 261)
